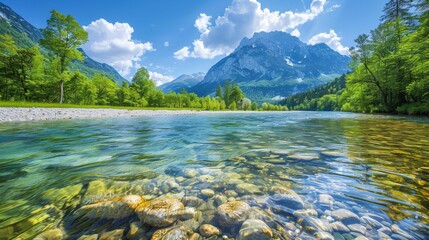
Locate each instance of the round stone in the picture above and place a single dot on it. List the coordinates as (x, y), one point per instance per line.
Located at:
(208, 230)
(160, 212)
(232, 213)
(254, 229)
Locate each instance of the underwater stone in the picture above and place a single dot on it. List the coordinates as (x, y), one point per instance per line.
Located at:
(55, 234)
(254, 229)
(323, 236)
(207, 230)
(232, 213)
(247, 188)
(208, 193)
(345, 216)
(112, 235)
(160, 212)
(340, 227)
(357, 228)
(176, 233)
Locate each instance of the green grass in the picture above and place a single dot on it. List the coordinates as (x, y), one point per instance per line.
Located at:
(65, 105)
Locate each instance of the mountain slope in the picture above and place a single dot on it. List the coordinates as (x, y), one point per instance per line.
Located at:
(184, 81)
(274, 64)
(26, 35)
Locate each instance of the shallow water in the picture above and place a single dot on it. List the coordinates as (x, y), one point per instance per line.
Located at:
(374, 166)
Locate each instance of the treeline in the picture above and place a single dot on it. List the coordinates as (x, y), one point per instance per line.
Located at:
(325, 98)
(390, 66)
(43, 74)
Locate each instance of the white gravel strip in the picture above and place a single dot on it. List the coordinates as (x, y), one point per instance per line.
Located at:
(12, 114)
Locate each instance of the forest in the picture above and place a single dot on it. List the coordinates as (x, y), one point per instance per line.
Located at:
(43, 73)
(389, 68)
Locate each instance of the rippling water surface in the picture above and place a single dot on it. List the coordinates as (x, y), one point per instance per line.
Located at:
(376, 167)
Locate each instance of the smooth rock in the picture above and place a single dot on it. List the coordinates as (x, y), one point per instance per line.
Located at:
(398, 230)
(340, 227)
(135, 230)
(220, 199)
(247, 188)
(232, 213)
(190, 173)
(207, 230)
(208, 193)
(323, 236)
(54, 234)
(231, 193)
(305, 213)
(176, 233)
(112, 235)
(385, 230)
(361, 238)
(88, 237)
(312, 224)
(291, 201)
(116, 208)
(254, 229)
(195, 236)
(160, 212)
(345, 216)
(192, 201)
(357, 228)
(372, 222)
(326, 199)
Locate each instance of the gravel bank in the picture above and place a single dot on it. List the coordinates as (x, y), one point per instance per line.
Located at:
(32, 114)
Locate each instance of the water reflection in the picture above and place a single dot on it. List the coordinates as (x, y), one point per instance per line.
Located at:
(303, 175)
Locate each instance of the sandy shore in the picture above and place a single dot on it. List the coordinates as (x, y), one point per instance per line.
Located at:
(32, 114)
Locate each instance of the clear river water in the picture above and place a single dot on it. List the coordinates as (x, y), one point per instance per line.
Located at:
(304, 175)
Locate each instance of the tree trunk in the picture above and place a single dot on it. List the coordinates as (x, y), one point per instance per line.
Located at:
(61, 91)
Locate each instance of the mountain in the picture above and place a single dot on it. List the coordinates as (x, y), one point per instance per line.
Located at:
(184, 81)
(26, 35)
(274, 65)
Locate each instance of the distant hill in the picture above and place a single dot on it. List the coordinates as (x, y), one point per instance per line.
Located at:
(184, 81)
(274, 65)
(26, 35)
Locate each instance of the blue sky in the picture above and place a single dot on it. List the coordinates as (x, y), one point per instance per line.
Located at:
(171, 38)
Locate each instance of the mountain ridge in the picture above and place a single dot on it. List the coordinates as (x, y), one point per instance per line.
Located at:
(185, 81)
(26, 35)
(274, 64)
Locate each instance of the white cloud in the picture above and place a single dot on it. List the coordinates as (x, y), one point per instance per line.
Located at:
(203, 23)
(112, 44)
(295, 33)
(160, 78)
(182, 53)
(166, 44)
(333, 7)
(242, 19)
(332, 40)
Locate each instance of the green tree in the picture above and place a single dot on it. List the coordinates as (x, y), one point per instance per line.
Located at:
(106, 89)
(254, 106)
(236, 94)
(227, 88)
(142, 84)
(219, 92)
(22, 66)
(62, 36)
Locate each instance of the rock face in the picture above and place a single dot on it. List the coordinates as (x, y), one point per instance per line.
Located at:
(253, 229)
(160, 212)
(274, 64)
(232, 213)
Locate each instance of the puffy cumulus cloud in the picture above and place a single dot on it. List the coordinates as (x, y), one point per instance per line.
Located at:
(160, 78)
(182, 53)
(112, 44)
(332, 40)
(203, 23)
(295, 33)
(166, 44)
(242, 19)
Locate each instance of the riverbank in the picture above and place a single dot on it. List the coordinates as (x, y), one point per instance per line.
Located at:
(14, 114)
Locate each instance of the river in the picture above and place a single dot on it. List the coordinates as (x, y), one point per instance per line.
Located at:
(302, 174)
